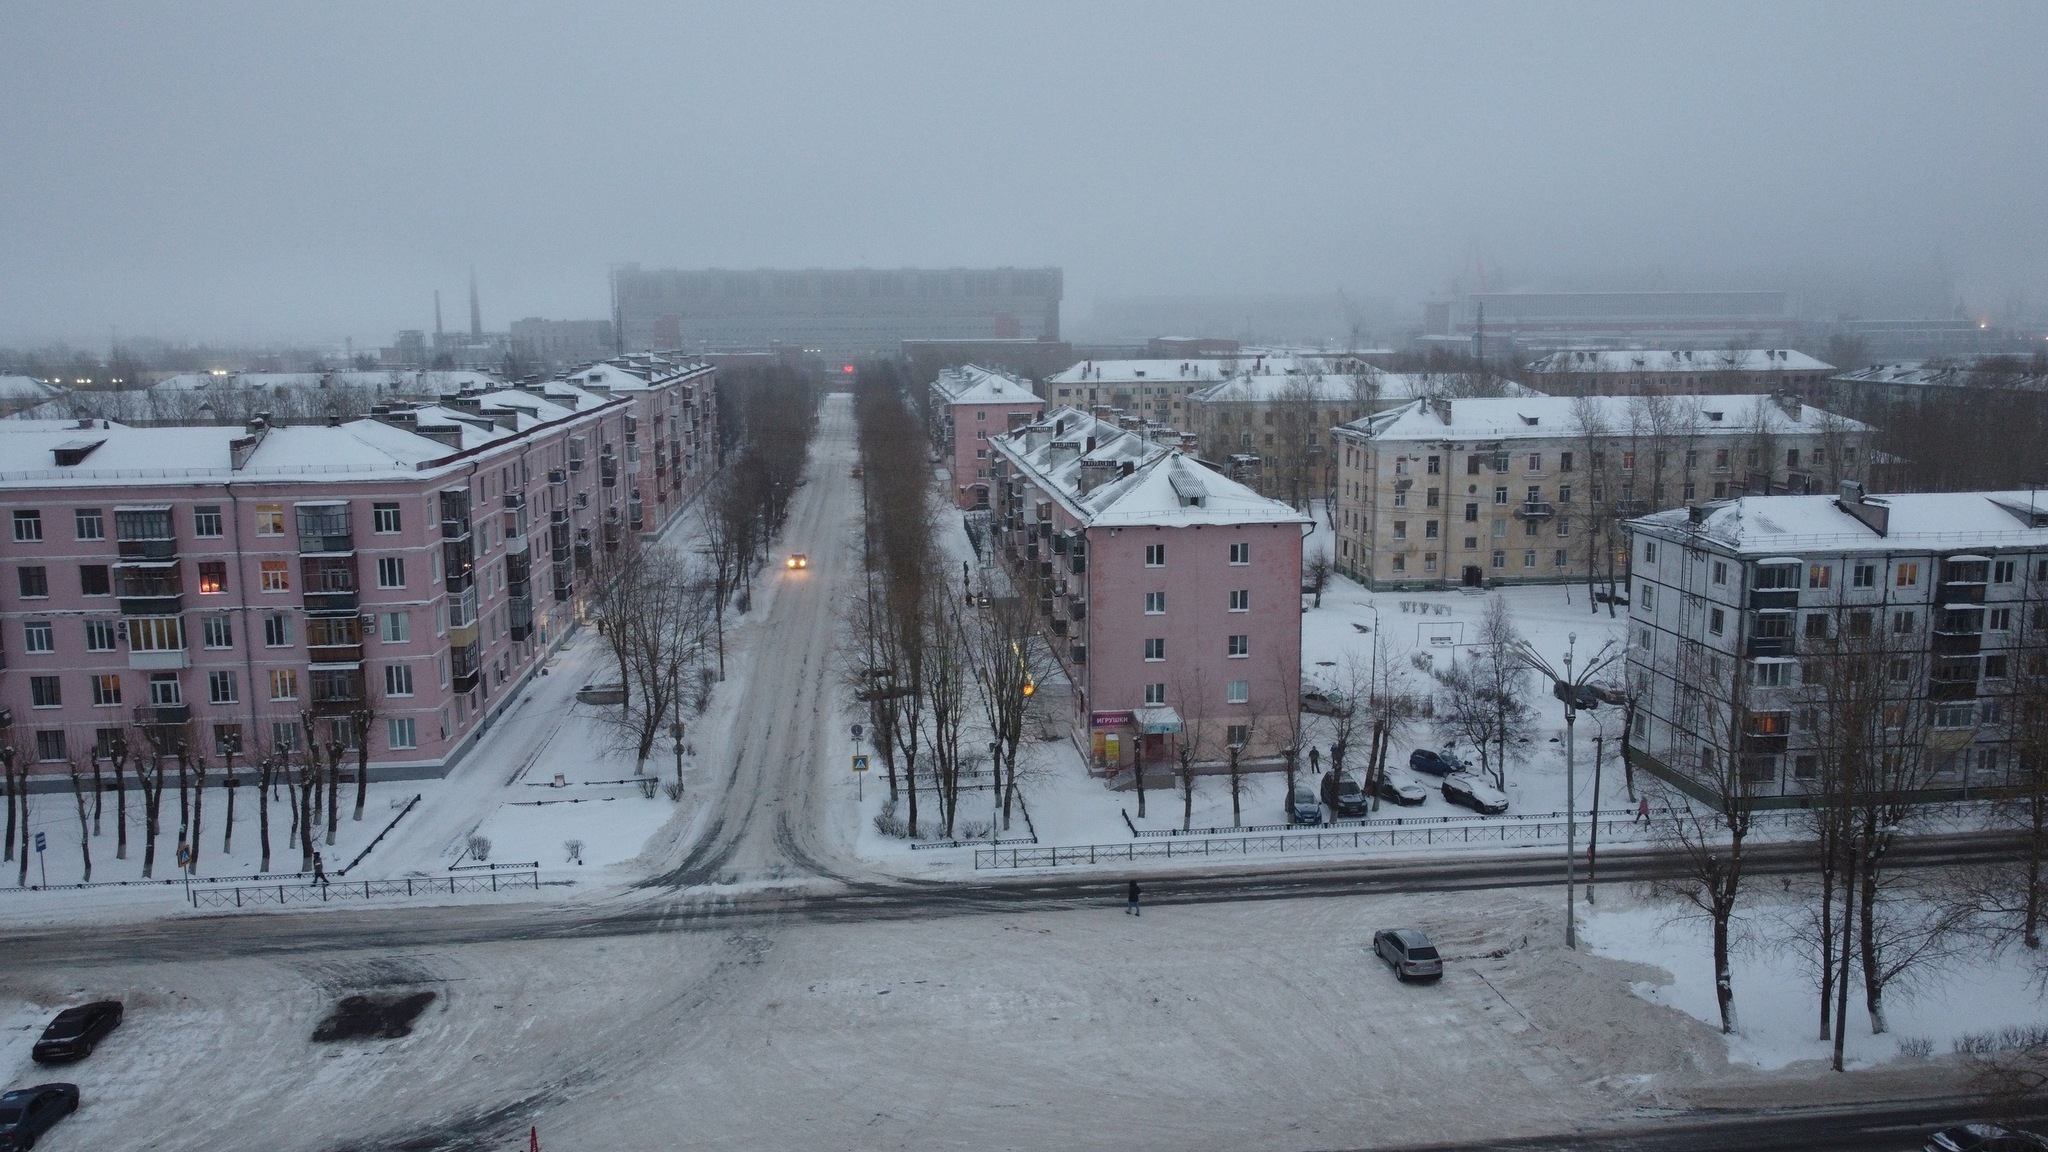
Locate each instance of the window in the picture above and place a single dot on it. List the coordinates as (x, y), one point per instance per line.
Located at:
(1436, 465)
(1240, 645)
(400, 733)
(1400, 529)
(270, 519)
(1500, 494)
(45, 692)
(1998, 620)
(384, 519)
(1564, 462)
(50, 744)
(1535, 461)
(1400, 563)
(1767, 674)
(1472, 513)
(28, 525)
(223, 687)
(87, 524)
(206, 520)
(284, 684)
(1564, 525)
(1720, 459)
(1996, 667)
(1791, 457)
(213, 577)
(1500, 529)
(2001, 572)
(1529, 558)
(217, 632)
(1240, 600)
(37, 636)
(1237, 692)
(156, 634)
(1400, 497)
(1401, 466)
(1908, 575)
(95, 580)
(1471, 465)
(1429, 561)
(1859, 624)
(1648, 593)
(227, 739)
(106, 690)
(1240, 553)
(1434, 498)
(1649, 551)
(1628, 461)
(1955, 715)
(1771, 577)
(1429, 529)
(284, 735)
(1500, 559)
(277, 631)
(1902, 623)
(1155, 555)
(99, 635)
(35, 581)
(1535, 494)
(1717, 620)
(1560, 559)
(1690, 492)
(1155, 693)
(1865, 576)
(398, 679)
(1155, 648)
(277, 576)
(1500, 461)
(390, 571)
(1816, 626)
(1820, 575)
(1155, 603)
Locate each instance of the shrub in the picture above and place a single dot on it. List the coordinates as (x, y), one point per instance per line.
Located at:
(480, 848)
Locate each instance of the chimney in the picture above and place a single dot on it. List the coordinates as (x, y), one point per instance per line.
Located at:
(1441, 405)
(1875, 515)
(1789, 404)
(1094, 473)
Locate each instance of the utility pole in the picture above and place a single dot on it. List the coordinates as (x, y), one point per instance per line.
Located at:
(1570, 688)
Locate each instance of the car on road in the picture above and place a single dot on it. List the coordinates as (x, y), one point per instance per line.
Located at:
(73, 1033)
(1985, 1138)
(1319, 703)
(798, 560)
(1431, 762)
(1409, 953)
(27, 1113)
(1343, 794)
(1401, 788)
(1472, 792)
(1303, 807)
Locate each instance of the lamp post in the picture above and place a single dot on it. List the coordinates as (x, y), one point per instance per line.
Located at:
(1570, 688)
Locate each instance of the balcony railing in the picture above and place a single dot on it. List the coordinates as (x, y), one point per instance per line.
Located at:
(1534, 510)
(172, 714)
(149, 589)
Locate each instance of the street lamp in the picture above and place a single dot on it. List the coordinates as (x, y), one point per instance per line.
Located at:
(1574, 690)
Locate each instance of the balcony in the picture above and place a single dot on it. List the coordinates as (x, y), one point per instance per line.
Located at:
(325, 528)
(1760, 646)
(583, 556)
(149, 589)
(144, 534)
(520, 618)
(335, 689)
(334, 640)
(332, 601)
(515, 499)
(171, 714)
(1077, 608)
(564, 581)
(1773, 599)
(455, 528)
(159, 659)
(1537, 510)
(467, 672)
(1957, 643)
(1960, 592)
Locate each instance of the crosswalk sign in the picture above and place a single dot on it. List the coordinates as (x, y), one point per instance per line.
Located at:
(860, 764)
(40, 842)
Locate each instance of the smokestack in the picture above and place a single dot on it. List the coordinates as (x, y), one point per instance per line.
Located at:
(476, 316)
(437, 315)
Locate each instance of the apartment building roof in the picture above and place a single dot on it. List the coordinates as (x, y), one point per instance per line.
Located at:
(1548, 417)
(1109, 476)
(1853, 522)
(1645, 360)
(403, 380)
(976, 385)
(1920, 374)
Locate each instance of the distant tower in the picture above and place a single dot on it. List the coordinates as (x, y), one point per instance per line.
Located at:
(437, 315)
(476, 316)
(1479, 336)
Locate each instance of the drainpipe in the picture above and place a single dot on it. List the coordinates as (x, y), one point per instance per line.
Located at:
(241, 584)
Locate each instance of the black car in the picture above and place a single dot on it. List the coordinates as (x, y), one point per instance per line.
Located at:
(1343, 795)
(1434, 763)
(1398, 787)
(73, 1033)
(1471, 792)
(26, 1113)
(1302, 807)
(1985, 1138)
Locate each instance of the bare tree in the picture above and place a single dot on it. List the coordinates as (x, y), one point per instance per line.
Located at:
(1590, 435)
(1483, 695)
(948, 680)
(1191, 744)
(1008, 662)
(119, 752)
(84, 819)
(266, 783)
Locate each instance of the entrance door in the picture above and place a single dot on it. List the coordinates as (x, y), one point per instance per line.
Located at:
(1473, 576)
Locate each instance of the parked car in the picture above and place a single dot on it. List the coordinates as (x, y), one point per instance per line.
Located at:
(73, 1033)
(1319, 703)
(1343, 795)
(1303, 807)
(26, 1113)
(798, 560)
(1474, 793)
(1401, 788)
(1434, 763)
(1985, 1138)
(1409, 953)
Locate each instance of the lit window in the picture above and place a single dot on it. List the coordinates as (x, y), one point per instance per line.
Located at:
(277, 576)
(284, 684)
(213, 576)
(270, 519)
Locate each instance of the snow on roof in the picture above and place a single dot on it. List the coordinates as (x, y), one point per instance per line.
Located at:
(633, 372)
(1340, 388)
(1921, 374)
(1645, 360)
(1543, 417)
(1197, 372)
(977, 385)
(25, 388)
(404, 381)
(1163, 487)
(1934, 521)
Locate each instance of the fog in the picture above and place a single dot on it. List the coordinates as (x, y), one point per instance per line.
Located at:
(259, 172)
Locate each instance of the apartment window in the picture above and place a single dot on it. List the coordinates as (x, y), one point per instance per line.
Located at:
(1535, 461)
(213, 577)
(1720, 572)
(1240, 600)
(1791, 457)
(1908, 575)
(1400, 529)
(1500, 494)
(1996, 667)
(384, 519)
(2001, 572)
(1400, 497)
(1902, 623)
(1500, 461)
(227, 739)
(50, 744)
(99, 635)
(1471, 465)
(1955, 715)
(106, 690)
(1767, 674)
(156, 634)
(270, 519)
(1865, 576)
(1240, 553)
(34, 580)
(1429, 561)
(390, 571)
(1564, 462)
(1155, 648)
(1690, 492)
(284, 684)
(1564, 525)
(1240, 645)
(206, 520)
(1155, 603)
(1401, 466)
(1500, 529)
(1500, 559)
(1400, 563)
(38, 636)
(1436, 466)
(87, 524)
(1720, 459)
(1434, 498)
(1237, 692)
(1472, 512)
(1648, 593)
(223, 687)
(284, 735)
(1155, 693)
(1816, 626)
(1628, 461)
(398, 679)
(276, 576)
(1860, 624)
(1529, 558)
(1649, 551)
(28, 525)
(1998, 620)
(1155, 555)
(1559, 560)
(1716, 620)
(277, 631)
(1429, 529)
(1692, 459)
(95, 580)
(45, 692)
(399, 732)
(1820, 575)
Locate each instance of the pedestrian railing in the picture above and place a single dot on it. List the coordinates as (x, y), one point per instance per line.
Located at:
(1378, 822)
(921, 845)
(310, 892)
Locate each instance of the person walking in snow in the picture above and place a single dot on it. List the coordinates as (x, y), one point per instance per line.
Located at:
(1132, 906)
(1643, 810)
(319, 871)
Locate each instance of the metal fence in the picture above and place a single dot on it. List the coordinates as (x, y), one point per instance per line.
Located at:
(279, 895)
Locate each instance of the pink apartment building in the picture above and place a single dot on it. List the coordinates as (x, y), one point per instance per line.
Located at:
(1171, 594)
(976, 405)
(230, 581)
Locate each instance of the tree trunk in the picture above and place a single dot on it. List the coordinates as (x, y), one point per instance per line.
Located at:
(152, 815)
(1873, 974)
(362, 768)
(1847, 941)
(84, 824)
(198, 810)
(120, 808)
(10, 810)
(1724, 974)
(333, 794)
(1138, 772)
(19, 786)
(266, 780)
(309, 794)
(227, 839)
(98, 793)
(1826, 923)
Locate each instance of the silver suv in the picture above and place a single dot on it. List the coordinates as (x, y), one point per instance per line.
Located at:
(1409, 953)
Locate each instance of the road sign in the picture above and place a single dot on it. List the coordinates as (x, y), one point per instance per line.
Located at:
(41, 843)
(857, 730)
(184, 856)
(860, 764)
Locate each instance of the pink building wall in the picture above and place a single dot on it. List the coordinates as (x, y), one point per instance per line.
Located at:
(974, 425)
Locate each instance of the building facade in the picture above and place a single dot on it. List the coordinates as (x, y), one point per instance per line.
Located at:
(563, 344)
(839, 312)
(1171, 594)
(972, 406)
(231, 586)
(1767, 371)
(1740, 613)
(1511, 323)
(1532, 489)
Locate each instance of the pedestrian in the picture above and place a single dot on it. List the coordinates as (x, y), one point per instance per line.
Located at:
(1643, 810)
(1132, 907)
(319, 871)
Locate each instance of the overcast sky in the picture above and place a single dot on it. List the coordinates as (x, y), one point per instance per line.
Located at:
(270, 171)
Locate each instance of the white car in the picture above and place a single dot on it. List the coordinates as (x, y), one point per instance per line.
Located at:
(1474, 793)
